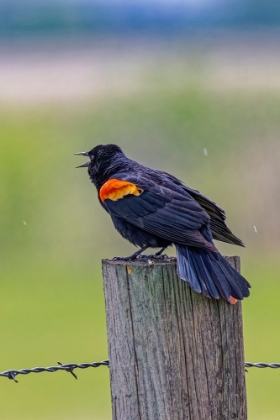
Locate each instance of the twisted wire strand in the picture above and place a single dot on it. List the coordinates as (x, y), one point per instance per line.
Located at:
(262, 365)
(69, 367)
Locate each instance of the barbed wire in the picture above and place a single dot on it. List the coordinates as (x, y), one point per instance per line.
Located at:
(262, 365)
(69, 367)
(11, 374)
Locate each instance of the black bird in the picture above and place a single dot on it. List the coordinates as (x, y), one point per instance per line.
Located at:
(151, 208)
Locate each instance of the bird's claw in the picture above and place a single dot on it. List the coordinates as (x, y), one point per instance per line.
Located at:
(152, 257)
(128, 258)
(143, 257)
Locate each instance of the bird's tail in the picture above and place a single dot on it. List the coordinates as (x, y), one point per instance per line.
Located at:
(208, 272)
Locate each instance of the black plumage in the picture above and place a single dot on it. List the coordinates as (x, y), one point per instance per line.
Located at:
(152, 208)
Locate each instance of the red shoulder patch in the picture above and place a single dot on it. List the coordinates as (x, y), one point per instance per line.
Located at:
(115, 189)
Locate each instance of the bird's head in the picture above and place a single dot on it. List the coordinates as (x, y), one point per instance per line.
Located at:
(102, 158)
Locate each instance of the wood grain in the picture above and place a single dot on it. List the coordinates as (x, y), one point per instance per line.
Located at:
(174, 354)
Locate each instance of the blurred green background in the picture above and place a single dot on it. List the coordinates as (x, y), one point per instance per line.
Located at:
(205, 107)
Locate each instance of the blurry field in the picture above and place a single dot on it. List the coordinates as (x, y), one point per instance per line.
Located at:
(54, 233)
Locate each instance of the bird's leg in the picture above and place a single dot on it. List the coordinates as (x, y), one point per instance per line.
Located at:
(157, 256)
(160, 251)
(133, 256)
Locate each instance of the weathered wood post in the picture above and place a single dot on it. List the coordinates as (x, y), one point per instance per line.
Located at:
(174, 354)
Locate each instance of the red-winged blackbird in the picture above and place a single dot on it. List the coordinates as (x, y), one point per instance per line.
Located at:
(154, 209)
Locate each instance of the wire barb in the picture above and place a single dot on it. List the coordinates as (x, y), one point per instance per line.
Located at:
(70, 370)
(11, 374)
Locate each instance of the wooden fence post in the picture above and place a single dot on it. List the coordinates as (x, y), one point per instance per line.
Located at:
(174, 354)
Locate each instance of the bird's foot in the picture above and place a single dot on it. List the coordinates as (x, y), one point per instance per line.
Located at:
(131, 257)
(128, 258)
(153, 257)
(142, 257)
(138, 255)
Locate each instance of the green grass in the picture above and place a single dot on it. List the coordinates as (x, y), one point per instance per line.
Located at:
(52, 304)
(51, 313)
(261, 315)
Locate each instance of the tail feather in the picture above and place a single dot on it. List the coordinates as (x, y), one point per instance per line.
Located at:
(218, 277)
(208, 272)
(227, 285)
(243, 284)
(187, 271)
(208, 284)
(240, 280)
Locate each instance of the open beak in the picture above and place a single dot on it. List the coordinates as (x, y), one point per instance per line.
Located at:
(84, 165)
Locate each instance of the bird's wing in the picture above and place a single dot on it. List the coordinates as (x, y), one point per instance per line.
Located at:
(159, 210)
(219, 229)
